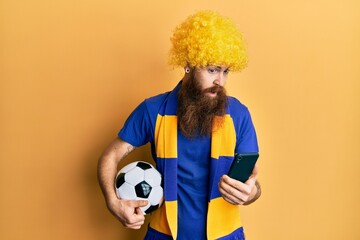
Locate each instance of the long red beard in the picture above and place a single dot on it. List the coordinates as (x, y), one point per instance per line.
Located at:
(196, 110)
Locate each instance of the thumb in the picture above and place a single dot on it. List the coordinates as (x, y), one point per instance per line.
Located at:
(252, 179)
(138, 211)
(255, 171)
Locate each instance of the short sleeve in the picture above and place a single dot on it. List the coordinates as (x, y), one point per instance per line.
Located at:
(137, 128)
(246, 139)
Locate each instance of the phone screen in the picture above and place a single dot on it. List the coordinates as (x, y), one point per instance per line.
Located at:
(243, 166)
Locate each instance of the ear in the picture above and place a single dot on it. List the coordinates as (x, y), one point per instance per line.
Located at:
(187, 69)
(188, 72)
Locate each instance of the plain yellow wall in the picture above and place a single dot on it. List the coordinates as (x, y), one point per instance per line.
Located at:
(71, 71)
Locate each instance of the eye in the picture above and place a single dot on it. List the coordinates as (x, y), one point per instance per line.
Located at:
(226, 71)
(212, 70)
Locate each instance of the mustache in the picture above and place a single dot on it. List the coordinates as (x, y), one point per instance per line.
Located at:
(214, 89)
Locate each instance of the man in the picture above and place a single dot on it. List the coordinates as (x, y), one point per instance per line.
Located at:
(195, 131)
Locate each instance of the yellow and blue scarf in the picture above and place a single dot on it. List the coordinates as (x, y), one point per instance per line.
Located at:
(223, 217)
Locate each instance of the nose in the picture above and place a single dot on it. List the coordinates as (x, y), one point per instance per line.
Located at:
(220, 79)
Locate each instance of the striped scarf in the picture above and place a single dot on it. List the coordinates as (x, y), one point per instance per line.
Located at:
(223, 217)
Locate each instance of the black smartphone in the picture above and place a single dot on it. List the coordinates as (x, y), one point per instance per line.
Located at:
(243, 165)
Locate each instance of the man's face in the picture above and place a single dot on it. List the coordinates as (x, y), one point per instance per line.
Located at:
(211, 76)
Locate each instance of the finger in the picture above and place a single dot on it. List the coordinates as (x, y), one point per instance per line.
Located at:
(135, 220)
(231, 198)
(233, 194)
(138, 211)
(134, 212)
(138, 219)
(140, 203)
(138, 215)
(238, 185)
(136, 225)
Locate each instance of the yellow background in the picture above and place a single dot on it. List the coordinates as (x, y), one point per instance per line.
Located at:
(72, 70)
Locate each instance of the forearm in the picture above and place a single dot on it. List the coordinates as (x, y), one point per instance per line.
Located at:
(107, 166)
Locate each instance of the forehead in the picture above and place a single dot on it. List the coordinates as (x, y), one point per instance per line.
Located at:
(219, 67)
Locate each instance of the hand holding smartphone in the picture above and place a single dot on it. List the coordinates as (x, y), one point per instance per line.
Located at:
(243, 166)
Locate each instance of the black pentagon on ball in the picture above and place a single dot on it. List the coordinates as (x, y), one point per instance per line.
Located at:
(143, 189)
(120, 179)
(152, 208)
(143, 165)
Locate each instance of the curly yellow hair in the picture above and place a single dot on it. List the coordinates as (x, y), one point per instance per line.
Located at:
(207, 38)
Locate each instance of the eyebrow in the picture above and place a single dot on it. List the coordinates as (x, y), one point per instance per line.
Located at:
(219, 68)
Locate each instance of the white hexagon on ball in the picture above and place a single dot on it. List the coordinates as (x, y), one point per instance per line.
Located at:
(126, 191)
(156, 195)
(134, 176)
(152, 177)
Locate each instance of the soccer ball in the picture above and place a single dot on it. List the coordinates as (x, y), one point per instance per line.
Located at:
(140, 180)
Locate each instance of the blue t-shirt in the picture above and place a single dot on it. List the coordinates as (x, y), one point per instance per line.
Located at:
(193, 186)
(193, 159)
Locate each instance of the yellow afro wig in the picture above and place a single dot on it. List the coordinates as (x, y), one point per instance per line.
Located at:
(207, 38)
